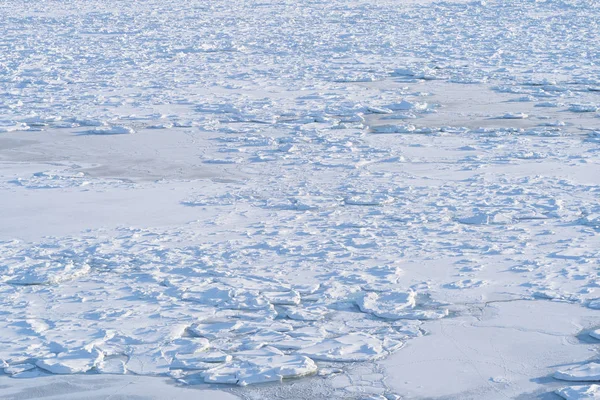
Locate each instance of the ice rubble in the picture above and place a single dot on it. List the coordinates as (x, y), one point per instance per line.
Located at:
(579, 392)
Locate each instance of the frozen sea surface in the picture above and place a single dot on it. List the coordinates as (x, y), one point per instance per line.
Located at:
(301, 200)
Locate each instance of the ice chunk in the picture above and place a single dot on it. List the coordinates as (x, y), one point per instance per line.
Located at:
(515, 116)
(582, 108)
(465, 284)
(579, 392)
(394, 129)
(487, 219)
(595, 303)
(348, 348)
(189, 362)
(407, 105)
(114, 366)
(215, 329)
(88, 122)
(214, 295)
(48, 273)
(283, 298)
(266, 351)
(315, 202)
(580, 373)
(11, 126)
(312, 313)
(112, 130)
(261, 369)
(213, 356)
(389, 305)
(549, 104)
(379, 110)
(71, 362)
(17, 369)
(376, 199)
(199, 360)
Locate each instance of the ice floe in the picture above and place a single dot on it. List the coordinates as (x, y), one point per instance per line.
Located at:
(580, 373)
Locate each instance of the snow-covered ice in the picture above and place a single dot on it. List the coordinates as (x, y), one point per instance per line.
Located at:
(373, 199)
(580, 373)
(579, 392)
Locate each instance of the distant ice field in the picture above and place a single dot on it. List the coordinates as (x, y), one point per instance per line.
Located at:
(301, 200)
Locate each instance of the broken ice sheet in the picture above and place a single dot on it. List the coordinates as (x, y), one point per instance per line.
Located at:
(261, 370)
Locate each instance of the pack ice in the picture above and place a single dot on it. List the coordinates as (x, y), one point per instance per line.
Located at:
(390, 199)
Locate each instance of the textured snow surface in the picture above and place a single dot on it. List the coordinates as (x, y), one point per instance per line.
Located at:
(246, 192)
